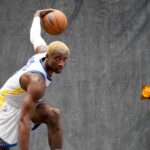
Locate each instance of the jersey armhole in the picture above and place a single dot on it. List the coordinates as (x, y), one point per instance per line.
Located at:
(38, 72)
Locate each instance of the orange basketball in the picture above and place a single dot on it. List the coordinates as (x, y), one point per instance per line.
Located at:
(54, 22)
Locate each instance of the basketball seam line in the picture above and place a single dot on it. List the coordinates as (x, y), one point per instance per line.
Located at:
(49, 21)
(58, 24)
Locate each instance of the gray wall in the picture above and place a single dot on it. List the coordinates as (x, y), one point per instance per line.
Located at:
(98, 92)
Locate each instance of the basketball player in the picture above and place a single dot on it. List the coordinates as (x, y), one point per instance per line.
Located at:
(21, 103)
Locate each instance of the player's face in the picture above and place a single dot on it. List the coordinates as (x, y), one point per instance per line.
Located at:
(57, 60)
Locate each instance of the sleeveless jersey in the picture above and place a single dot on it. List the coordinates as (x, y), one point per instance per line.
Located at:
(11, 92)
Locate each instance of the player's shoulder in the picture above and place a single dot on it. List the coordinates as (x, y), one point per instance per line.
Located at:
(33, 79)
(41, 49)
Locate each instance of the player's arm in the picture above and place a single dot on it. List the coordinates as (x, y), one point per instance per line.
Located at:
(36, 39)
(35, 86)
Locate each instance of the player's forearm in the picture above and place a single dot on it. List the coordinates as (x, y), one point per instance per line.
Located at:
(35, 27)
(24, 134)
(35, 33)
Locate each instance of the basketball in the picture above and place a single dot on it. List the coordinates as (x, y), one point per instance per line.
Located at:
(54, 22)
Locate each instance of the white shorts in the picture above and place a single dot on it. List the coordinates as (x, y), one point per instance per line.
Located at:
(9, 118)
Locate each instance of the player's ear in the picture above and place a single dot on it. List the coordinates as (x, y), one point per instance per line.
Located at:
(47, 55)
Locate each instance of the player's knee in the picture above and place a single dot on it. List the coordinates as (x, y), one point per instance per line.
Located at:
(56, 114)
(53, 118)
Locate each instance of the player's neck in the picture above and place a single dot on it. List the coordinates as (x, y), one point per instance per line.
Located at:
(49, 73)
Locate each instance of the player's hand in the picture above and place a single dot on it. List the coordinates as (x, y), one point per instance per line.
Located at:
(43, 12)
